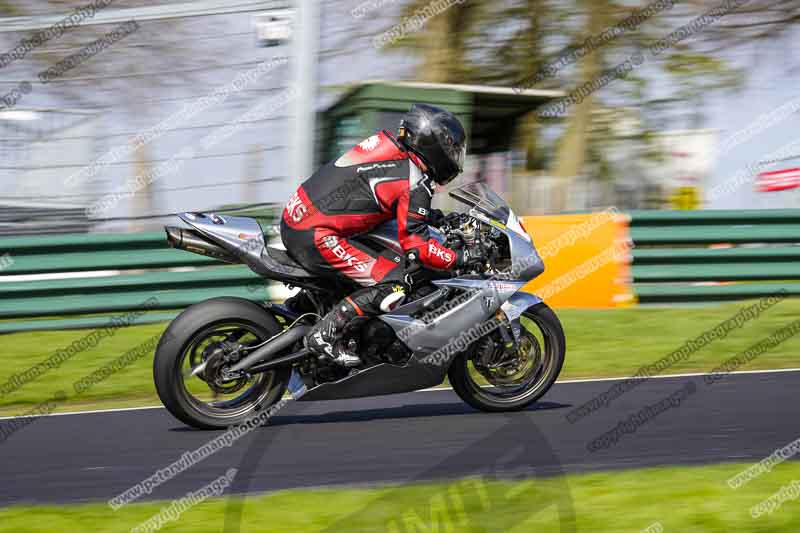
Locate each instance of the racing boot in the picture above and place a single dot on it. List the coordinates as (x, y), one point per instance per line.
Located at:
(325, 337)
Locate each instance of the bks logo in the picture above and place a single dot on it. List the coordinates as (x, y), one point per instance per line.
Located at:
(435, 251)
(338, 250)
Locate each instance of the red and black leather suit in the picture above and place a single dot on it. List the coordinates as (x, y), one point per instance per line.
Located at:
(376, 181)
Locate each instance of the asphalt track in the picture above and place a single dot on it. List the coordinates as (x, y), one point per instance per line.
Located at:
(402, 438)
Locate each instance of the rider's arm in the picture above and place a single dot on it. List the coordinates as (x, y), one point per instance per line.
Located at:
(413, 208)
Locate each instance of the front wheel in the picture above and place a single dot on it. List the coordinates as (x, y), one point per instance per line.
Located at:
(502, 381)
(203, 337)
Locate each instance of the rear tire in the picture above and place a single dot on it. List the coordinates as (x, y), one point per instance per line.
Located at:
(481, 398)
(168, 365)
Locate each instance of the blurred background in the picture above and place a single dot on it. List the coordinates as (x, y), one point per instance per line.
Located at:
(705, 124)
(650, 143)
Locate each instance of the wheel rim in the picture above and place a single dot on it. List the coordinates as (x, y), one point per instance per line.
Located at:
(531, 371)
(206, 391)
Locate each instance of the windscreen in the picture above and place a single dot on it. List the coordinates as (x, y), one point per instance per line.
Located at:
(482, 198)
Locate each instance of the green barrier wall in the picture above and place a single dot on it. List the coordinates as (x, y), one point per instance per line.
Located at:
(692, 256)
(109, 274)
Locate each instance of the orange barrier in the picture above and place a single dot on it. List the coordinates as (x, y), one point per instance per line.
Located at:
(587, 260)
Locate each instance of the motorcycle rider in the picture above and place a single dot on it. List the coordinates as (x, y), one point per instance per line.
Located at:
(382, 178)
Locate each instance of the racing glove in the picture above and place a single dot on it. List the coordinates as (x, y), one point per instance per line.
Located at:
(436, 218)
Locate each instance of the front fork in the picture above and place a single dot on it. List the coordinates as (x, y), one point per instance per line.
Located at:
(509, 332)
(513, 308)
(510, 328)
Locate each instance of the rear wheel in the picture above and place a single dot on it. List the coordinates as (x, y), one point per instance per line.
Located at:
(207, 333)
(515, 380)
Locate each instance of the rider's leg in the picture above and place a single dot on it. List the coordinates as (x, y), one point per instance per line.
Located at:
(325, 337)
(324, 252)
(381, 276)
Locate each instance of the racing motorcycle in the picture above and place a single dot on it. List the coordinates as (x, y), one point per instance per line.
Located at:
(225, 360)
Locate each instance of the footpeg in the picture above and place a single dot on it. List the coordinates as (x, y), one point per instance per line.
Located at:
(348, 360)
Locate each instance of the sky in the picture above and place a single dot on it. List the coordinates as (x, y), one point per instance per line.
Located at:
(773, 82)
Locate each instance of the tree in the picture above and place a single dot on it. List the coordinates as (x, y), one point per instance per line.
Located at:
(509, 42)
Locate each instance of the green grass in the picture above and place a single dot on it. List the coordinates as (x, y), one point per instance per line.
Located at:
(599, 344)
(685, 499)
(608, 343)
(131, 386)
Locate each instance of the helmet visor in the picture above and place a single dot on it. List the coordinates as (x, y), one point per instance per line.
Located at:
(452, 139)
(457, 154)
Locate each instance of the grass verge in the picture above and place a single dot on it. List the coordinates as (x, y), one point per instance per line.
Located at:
(685, 499)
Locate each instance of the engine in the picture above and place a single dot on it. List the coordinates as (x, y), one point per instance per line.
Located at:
(381, 345)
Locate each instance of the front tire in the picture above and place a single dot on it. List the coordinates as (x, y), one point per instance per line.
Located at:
(502, 398)
(189, 340)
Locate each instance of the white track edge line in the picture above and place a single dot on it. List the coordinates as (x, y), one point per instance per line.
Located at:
(433, 389)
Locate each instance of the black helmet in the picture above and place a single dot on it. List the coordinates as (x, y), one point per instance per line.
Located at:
(437, 137)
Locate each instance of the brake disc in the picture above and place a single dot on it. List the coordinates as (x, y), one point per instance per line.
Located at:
(526, 359)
